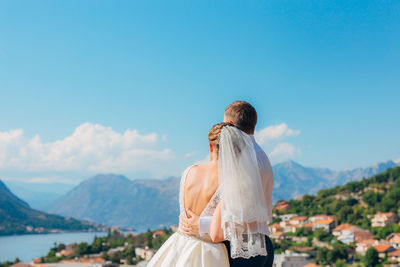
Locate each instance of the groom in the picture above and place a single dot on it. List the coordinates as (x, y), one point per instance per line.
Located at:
(244, 116)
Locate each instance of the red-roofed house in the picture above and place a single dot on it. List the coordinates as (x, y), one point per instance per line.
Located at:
(348, 233)
(275, 228)
(298, 220)
(309, 225)
(394, 256)
(65, 253)
(394, 240)
(383, 249)
(382, 219)
(318, 217)
(278, 235)
(288, 227)
(338, 230)
(36, 261)
(361, 235)
(282, 205)
(158, 233)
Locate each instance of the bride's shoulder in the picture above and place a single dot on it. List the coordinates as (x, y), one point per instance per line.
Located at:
(190, 169)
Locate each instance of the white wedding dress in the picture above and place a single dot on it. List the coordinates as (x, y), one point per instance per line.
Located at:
(181, 250)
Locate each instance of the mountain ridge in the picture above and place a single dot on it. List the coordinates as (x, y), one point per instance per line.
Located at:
(153, 203)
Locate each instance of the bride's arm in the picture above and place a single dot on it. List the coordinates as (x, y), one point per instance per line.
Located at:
(216, 232)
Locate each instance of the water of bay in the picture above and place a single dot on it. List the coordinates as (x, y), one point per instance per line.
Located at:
(28, 247)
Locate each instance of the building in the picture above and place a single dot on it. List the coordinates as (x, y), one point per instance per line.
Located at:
(383, 249)
(352, 234)
(282, 205)
(345, 227)
(71, 246)
(288, 227)
(158, 233)
(66, 253)
(275, 227)
(278, 235)
(308, 250)
(36, 261)
(326, 224)
(364, 245)
(394, 256)
(298, 220)
(145, 253)
(394, 240)
(382, 219)
(291, 259)
(361, 235)
(287, 217)
(318, 217)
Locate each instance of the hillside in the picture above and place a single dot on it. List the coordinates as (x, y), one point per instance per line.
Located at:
(149, 203)
(355, 201)
(17, 217)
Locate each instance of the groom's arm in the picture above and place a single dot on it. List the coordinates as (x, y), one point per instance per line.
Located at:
(195, 225)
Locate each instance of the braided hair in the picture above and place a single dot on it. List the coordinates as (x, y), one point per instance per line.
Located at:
(215, 132)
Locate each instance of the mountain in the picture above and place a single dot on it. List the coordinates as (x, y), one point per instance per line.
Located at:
(115, 199)
(294, 180)
(17, 217)
(149, 203)
(38, 195)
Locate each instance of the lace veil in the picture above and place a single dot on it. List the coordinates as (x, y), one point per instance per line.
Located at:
(244, 216)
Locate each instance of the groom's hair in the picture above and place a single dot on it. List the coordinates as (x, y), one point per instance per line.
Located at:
(243, 115)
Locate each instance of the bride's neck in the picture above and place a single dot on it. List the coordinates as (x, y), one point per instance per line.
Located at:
(213, 158)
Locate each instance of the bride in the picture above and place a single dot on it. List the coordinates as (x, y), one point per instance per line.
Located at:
(228, 187)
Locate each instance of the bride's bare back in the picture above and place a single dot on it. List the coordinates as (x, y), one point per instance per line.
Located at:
(200, 185)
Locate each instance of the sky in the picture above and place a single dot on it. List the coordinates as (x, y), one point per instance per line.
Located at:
(133, 87)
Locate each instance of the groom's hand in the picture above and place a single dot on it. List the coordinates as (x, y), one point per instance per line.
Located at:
(190, 225)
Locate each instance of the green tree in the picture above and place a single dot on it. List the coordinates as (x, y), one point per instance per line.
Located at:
(322, 256)
(97, 245)
(82, 249)
(371, 257)
(322, 235)
(340, 263)
(339, 251)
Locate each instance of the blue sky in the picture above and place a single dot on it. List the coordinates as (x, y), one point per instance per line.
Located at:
(76, 75)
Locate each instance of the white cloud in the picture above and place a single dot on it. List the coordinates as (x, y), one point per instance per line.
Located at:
(273, 140)
(397, 161)
(274, 132)
(90, 148)
(189, 154)
(284, 151)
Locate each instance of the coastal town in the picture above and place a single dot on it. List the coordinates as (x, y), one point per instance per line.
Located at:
(300, 241)
(356, 224)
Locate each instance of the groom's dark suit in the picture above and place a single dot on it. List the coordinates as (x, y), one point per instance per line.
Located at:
(261, 261)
